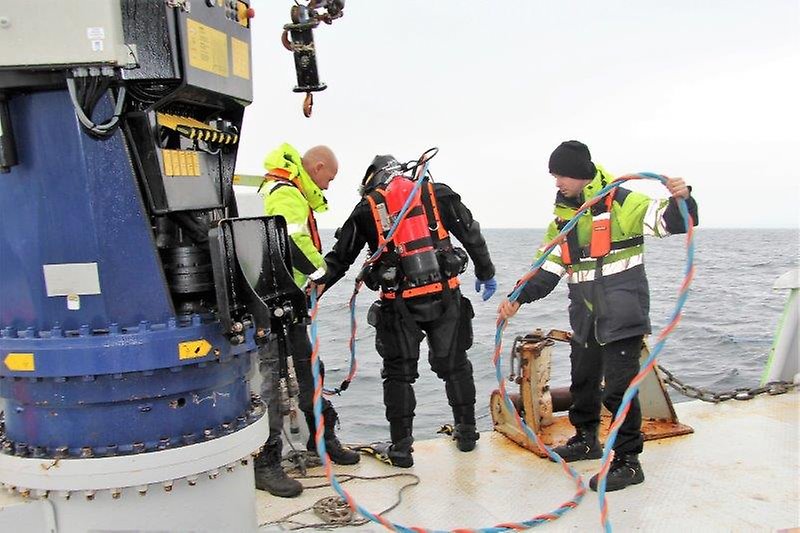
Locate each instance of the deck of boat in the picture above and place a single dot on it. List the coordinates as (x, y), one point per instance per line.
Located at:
(739, 471)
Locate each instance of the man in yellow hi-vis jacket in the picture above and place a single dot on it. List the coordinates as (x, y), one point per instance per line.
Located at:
(293, 189)
(603, 260)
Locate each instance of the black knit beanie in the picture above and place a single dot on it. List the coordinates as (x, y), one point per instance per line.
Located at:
(573, 160)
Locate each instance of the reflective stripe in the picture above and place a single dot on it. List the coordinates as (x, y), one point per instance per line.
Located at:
(609, 269)
(654, 218)
(318, 273)
(297, 228)
(553, 268)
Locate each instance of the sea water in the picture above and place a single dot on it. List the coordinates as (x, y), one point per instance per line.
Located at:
(722, 341)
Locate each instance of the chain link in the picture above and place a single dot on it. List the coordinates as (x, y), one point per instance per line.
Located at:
(772, 388)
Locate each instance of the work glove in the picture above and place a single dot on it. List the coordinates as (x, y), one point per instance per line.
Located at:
(489, 287)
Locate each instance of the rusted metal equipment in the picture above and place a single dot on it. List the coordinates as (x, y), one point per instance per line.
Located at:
(536, 402)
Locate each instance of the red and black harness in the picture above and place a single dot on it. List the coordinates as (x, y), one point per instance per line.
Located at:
(438, 234)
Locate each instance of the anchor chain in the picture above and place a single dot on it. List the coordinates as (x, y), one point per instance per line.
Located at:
(773, 388)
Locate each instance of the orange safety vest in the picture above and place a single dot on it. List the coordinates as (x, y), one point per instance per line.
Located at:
(439, 235)
(600, 244)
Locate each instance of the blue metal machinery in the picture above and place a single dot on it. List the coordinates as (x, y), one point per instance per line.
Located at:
(109, 376)
(125, 341)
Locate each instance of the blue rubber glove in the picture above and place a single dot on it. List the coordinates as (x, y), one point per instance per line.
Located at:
(489, 287)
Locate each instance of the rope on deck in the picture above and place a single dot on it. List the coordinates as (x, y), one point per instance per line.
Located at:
(646, 367)
(633, 388)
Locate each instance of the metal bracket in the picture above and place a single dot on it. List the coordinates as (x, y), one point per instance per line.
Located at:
(184, 5)
(536, 403)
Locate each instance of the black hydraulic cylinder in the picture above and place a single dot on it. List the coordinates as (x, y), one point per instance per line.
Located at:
(305, 57)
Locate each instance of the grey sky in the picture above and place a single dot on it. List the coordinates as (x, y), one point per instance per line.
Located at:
(704, 90)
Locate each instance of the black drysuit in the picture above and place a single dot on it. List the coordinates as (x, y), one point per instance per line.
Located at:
(402, 323)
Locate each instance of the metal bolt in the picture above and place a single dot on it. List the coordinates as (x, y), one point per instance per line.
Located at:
(116, 493)
(212, 474)
(89, 495)
(192, 480)
(142, 490)
(168, 486)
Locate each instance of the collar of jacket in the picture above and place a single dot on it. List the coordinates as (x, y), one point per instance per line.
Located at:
(288, 158)
(565, 208)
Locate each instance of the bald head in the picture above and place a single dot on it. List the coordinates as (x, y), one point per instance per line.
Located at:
(321, 164)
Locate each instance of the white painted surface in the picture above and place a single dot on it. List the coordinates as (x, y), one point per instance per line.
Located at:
(133, 470)
(66, 279)
(738, 472)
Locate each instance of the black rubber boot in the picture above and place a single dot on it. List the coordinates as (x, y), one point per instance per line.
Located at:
(583, 445)
(396, 454)
(338, 453)
(465, 436)
(625, 470)
(270, 475)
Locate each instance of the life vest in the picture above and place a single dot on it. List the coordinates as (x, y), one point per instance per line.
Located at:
(600, 244)
(281, 176)
(418, 240)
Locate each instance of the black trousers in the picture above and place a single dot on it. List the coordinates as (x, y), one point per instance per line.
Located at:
(618, 362)
(269, 367)
(398, 338)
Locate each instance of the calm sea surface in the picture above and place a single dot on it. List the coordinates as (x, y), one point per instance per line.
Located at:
(722, 341)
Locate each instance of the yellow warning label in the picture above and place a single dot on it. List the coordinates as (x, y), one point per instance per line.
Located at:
(20, 362)
(241, 58)
(181, 163)
(193, 349)
(208, 48)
